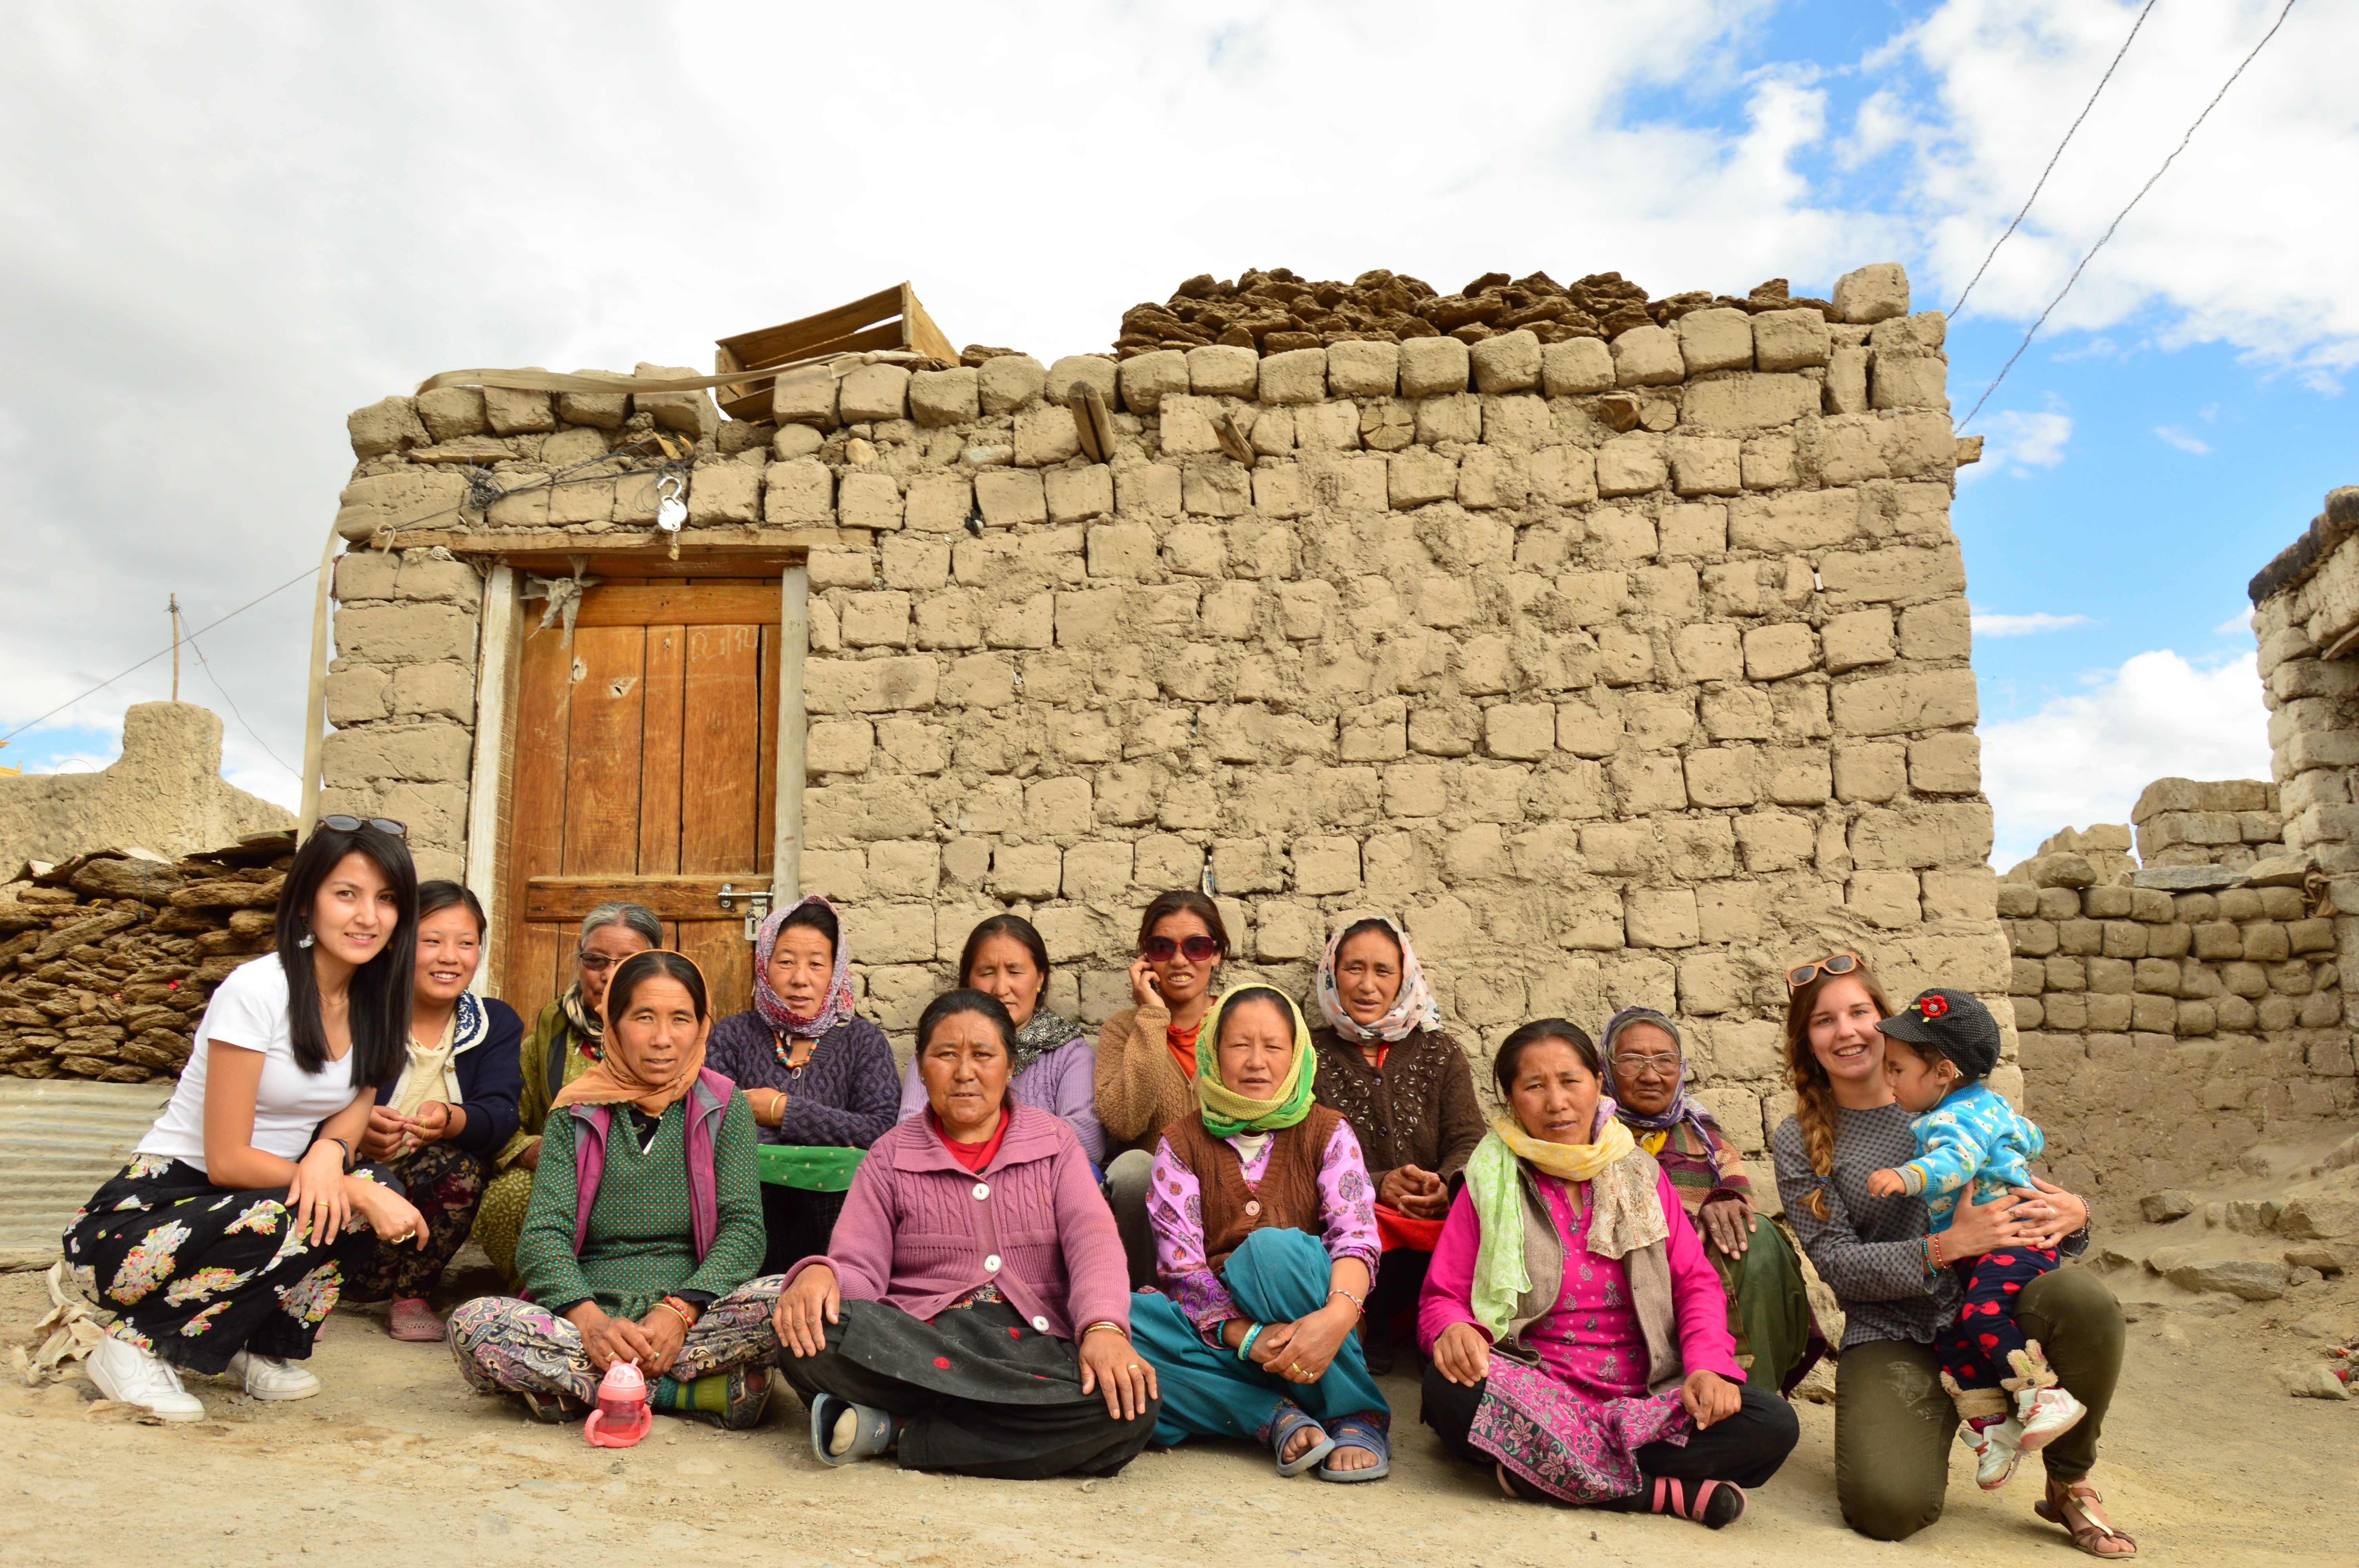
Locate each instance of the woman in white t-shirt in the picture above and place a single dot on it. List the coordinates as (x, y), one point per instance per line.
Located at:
(219, 1246)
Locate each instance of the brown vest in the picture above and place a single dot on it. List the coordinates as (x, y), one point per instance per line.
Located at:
(1288, 1197)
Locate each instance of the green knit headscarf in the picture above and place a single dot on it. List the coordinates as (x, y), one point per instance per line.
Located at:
(1228, 1113)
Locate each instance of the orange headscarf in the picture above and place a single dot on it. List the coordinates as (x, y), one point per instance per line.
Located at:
(609, 1082)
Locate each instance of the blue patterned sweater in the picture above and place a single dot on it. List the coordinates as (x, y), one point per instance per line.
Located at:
(1974, 1138)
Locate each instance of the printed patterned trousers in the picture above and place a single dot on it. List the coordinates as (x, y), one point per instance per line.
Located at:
(445, 1184)
(504, 1346)
(1974, 1350)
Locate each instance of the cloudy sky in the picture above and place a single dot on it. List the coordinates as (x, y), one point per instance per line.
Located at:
(222, 227)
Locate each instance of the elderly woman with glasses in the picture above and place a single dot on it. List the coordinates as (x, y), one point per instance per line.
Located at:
(1769, 1317)
(566, 1040)
(1145, 1067)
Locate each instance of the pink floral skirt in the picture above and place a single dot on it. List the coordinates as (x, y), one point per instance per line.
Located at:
(1568, 1445)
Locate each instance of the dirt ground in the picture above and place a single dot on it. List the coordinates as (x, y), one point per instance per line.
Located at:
(397, 1462)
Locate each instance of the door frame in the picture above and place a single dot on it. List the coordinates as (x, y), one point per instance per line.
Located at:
(498, 673)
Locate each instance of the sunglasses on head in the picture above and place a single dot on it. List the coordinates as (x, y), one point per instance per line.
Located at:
(1838, 964)
(1197, 949)
(344, 824)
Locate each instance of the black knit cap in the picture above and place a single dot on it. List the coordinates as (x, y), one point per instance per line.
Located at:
(1952, 1023)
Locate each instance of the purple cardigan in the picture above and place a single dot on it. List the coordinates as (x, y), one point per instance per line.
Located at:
(919, 1230)
(1063, 1082)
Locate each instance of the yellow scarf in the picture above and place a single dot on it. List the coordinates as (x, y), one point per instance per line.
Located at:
(1567, 1162)
(1227, 1113)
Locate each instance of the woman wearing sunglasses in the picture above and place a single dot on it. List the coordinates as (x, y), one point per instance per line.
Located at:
(566, 1041)
(1147, 1055)
(1893, 1419)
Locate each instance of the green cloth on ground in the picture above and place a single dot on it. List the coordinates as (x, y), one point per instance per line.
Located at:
(640, 1244)
(810, 1168)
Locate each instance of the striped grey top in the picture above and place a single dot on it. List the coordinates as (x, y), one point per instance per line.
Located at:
(1870, 1250)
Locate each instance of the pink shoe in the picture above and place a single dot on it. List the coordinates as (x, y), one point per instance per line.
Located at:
(412, 1320)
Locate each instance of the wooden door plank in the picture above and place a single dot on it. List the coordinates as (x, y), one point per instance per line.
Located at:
(660, 748)
(766, 797)
(686, 602)
(602, 797)
(539, 966)
(534, 824)
(719, 741)
(671, 896)
(727, 960)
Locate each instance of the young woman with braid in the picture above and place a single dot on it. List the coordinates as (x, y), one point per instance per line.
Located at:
(1893, 1418)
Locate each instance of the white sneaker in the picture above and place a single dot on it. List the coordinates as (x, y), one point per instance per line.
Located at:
(2046, 1414)
(136, 1376)
(1997, 1450)
(272, 1377)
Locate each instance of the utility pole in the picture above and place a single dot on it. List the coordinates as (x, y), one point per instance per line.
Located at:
(175, 608)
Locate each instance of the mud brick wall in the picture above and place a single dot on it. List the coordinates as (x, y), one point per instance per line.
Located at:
(1624, 670)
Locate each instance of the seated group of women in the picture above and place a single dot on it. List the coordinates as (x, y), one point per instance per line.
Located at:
(947, 1270)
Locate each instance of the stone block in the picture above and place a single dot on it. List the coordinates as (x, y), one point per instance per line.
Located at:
(1632, 464)
(1877, 292)
(802, 491)
(1909, 381)
(870, 500)
(1224, 369)
(1860, 638)
(1802, 520)
(1507, 362)
(1773, 653)
(510, 411)
(1873, 770)
(872, 394)
(1519, 731)
(1705, 466)
(1418, 479)
(1075, 494)
(1660, 917)
(1008, 383)
(1010, 497)
(1074, 372)
(804, 397)
(1565, 476)
(359, 694)
(1148, 378)
(1046, 434)
(1648, 356)
(1722, 776)
(402, 633)
(941, 398)
(1790, 340)
(1451, 417)
(1429, 366)
(1899, 704)
(1717, 339)
(870, 686)
(1362, 369)
(1751, 401)
(1887, 900)
(441, 690)
(1325, 866)
(1294, 376)
(417, 753)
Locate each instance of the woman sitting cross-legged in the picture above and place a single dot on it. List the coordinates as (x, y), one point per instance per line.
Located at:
(819, 1077)
(1578, 1335)
(645, 1233)
(453, 1108)
(221, 1247)
(1777, 1338)
(1266, 1240)
(973, 1309)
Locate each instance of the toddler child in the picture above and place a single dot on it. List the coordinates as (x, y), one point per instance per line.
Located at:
(1937, 1052)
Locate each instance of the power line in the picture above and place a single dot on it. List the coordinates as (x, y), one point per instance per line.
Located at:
(2042, 183)
(250, 730)
(2125, 212)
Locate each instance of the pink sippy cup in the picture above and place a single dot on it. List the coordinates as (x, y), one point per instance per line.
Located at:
(622, 1417)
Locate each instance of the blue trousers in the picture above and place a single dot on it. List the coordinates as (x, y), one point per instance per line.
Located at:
(1278, 1276)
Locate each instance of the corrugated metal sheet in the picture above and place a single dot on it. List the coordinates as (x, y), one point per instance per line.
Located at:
(59, 1138)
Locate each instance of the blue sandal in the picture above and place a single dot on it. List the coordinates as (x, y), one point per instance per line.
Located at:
(873, 1431)
(1359, 1432)
(1289, 1421)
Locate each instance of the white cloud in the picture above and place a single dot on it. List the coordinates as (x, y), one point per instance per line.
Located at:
(1989, 624)
(2015, 437)
(2237, 625)
(2084, 758)
(2184, 441)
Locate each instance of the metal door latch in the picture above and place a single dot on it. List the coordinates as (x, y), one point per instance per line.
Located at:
(757, 905)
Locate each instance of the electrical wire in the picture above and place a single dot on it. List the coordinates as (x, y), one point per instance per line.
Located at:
(250, 730)
(2125, 212)
(2041, 183)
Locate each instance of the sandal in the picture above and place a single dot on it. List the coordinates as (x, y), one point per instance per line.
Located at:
(414, 1322)
(1718, 1504)
(1289, 1419)
(2090, 1528)
(873, 1431)
(1359, 1432)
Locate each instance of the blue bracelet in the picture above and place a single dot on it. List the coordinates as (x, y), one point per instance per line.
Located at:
(1245, 1346)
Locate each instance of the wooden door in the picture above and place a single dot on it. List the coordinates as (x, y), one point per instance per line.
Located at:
(645, 767)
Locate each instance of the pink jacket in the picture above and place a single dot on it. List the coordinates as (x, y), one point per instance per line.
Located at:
(1696, 1294)
(919, 1230)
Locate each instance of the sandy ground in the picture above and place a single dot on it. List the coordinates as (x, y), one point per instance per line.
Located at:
(397, 1462)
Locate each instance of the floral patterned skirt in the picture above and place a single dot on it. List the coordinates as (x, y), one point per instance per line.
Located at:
(197, 1273)
(1564, 1444)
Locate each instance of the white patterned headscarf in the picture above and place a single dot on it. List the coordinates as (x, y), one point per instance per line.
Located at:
(1413, 1005)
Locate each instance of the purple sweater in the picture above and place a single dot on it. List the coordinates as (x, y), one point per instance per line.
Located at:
(919, 1230)
(844, 1097)
(1063, 1082)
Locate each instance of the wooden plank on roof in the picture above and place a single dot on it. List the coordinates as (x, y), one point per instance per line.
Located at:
(770, 345)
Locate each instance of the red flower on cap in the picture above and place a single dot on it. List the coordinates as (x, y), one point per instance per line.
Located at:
(1932, 1006)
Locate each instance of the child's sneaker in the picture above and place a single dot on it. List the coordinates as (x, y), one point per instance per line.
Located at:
(2046, 1414)
(1997, 1450)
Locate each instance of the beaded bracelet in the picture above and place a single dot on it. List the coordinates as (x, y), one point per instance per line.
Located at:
(1245, 1346)
(679, 1309)
(1355, 1301)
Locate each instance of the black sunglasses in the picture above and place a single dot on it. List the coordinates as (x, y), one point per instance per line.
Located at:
(344, 824)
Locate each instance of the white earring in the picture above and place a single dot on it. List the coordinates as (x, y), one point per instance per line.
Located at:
(306, 942)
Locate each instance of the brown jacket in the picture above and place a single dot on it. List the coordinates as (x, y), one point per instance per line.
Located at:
(1420, 1111)
(1286, 1198)
(1141, 1088)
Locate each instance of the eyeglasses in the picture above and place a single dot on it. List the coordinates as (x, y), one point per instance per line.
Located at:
(599, 962)
(344, 824)
(1836, 964)
(1643, 1066)
(1197, 949)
